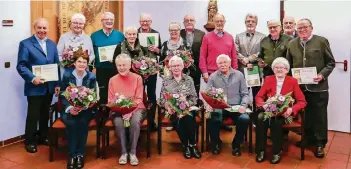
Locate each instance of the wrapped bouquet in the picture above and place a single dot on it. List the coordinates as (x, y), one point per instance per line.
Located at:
(178, 104)
(123, 105)
(69, 54)
(81, 96)
(145, 66)
(277, 105)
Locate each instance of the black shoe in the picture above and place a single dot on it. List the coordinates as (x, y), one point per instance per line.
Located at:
(216, 149)
(195, 152)
(236, 152)
(319, 152)
(260, 157)
(186, 152)
(71, 163)
(276, 158)
(226, 128)
(31, 148)
(44, 142)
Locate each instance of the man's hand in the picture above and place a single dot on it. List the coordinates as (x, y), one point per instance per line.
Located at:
(154, 48)
(262, 64)
(287, 112)
(75, 110)
(57, 91)
(205, 76)
(94, 71)
(318, 78)
(245, 61)
(249, 67)
(38, 81)
(242, 109)
(208, 108)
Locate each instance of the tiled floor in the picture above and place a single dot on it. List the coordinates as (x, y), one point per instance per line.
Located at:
(338, 156)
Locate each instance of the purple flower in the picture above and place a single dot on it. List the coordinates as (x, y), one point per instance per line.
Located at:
(73, 95)
(182, 106)
(273, 107)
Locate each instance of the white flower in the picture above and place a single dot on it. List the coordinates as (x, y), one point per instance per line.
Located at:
(118, 100)
(74, 90)
(122, 97)
(143, 67)
(75, 49)
(220, 91)
(176, 96)
(90, 98)
(281, 98)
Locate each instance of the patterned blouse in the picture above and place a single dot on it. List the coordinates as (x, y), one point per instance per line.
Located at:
(185, 86)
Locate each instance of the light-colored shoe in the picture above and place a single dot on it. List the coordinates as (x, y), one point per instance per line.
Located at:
(169, 128)
(133, 159)
(123, 159)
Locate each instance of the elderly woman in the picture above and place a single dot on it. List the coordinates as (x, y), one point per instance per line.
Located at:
(175, 42)
(76, 37)
(130, 85)
(77, 119)
(279, 83)
(185, 126)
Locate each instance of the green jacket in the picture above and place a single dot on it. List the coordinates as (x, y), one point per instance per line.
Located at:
(271, 50)
(317, 54)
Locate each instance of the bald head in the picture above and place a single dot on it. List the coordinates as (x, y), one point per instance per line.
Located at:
(40, 20)
(41, 27)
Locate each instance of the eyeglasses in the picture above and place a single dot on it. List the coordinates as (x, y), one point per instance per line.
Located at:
(280, 68)
(146, 21)
(173, 30)
(303, 27)
(76, 23)
(176, 66)
(189, 21)
(108, 19)
(273, 27)
(289, 23)
(250, 21)
(220, 21)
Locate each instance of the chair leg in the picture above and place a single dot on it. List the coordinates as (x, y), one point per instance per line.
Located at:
(103, 153)
(108, 138)
(98, 142)
(51, 146)
(148, 154)
(250, 137)
(302, 144)
(197, 134)
(202, 138)
(159, 139)
(56, 140)
(207, 136)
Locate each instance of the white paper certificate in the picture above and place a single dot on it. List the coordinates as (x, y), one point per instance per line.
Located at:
(47, 72)
(147, 39)
(305, 75)
(106, 53)
(252, 77)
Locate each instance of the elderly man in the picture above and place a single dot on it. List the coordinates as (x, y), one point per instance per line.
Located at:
(145, 27)
(193, 38)
(289, 26)
(313, 51)
(106, 37)
(272, 46)
(215, 43)
(37, 50)
(233, 83)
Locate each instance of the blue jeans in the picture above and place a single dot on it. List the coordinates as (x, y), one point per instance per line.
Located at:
(240, 120)
(77, 131)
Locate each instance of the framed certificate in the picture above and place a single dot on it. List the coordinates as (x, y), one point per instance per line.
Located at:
(252, 77)
(47, 72)
(147, 39)
(305, 75)
(106, 53)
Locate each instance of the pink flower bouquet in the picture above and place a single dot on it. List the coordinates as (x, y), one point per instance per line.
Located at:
(277, 105)
(178, 103)
(81, 96)
(123, 105)
(145, 66)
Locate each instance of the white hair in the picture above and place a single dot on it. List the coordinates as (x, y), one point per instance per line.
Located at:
(145, 15)
(176, 58)
(174, 23)
(223, 56)
(251, 15)
(123, 56)
(130, 28)
(107, 14)
(282, 61)
(77, 16)
(217, 15)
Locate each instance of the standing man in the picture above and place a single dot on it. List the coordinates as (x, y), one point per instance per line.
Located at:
(313, 51)
(193, 38)
(105, 38)
(289, 26)
(37, 50)
(272, 46)
(145, 27)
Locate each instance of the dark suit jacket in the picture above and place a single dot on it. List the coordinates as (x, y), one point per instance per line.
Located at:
(317, 54)
(195, 48)
(269, 89)
(30, 54)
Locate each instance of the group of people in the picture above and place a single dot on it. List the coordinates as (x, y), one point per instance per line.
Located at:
(218, 57)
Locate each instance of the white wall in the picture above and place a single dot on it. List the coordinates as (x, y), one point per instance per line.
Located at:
(13, 104)
(332, 19)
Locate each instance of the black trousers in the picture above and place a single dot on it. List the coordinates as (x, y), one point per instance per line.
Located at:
(38, 110)
(103, 76)
(275, 124)
(255, 90)
(316, 117)
(150, 84)
(186, 127)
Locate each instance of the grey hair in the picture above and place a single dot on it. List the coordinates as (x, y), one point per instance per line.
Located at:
(145, 15)
(281, 60)
(107, 14)
(130, 28)
(123, 56)
(251, 15)
(76, 16)
(223, 56)
(176, 58)
(274, 21)
(38, 20)
(174, 23)
(306, 19)
(218, 14)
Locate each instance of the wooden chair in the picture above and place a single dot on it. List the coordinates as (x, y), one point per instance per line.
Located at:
(107, 126)
(57, 127)
(162, 121)
(229, 122)
(298, 124)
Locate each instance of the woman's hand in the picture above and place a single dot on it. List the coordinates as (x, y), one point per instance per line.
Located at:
(75, 110)
(287, 112)
(208, 108)
(242, 109)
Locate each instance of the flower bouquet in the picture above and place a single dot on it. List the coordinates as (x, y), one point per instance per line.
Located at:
(69, 54)
(215, 97)
(277, 105)
(178, 103)
(145, 66)
(123, 105)
(184, 54)
(81, 97)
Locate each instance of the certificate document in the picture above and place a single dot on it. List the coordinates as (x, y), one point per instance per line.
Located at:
(252, 77)
(47, 72)
(305, 75)
(236, 109)
(147, 39)
(106, 53)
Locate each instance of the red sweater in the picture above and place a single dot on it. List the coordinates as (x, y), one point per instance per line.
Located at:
(212, 46)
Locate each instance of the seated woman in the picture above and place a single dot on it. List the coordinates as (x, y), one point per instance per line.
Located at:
(77, 119)
(130, 85)
(185, 126)
(279, 83)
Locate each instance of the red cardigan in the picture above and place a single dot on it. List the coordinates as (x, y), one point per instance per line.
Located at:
(289, 85)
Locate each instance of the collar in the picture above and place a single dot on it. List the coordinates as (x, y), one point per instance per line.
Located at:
(308, 38)
(280, 36)
(141, 30)
(108, 34)
(76, 75)
(189, 32)
(250, 34)
(218, 33)
(40, 40)
(181, 79)
(231, 71)
(76, 35)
